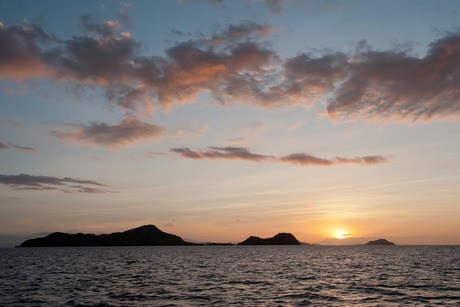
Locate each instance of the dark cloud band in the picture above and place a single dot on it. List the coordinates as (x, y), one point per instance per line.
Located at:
(66, 184)
(242, 153)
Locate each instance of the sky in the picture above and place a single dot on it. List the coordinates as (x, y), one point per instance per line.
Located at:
(336, 121)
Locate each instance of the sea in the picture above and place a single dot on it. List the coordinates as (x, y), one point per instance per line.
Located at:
(231, 276)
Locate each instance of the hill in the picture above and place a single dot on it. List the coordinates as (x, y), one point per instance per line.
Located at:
(279, 239)
(147, 235)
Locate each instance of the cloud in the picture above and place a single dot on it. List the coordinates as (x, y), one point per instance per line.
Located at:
(66, 184)
(365, 159)
(296, 126)
(21, 55)
(107, 28)
(242, 153)
(24, 148)
(310, 79)
(275, 6)
(306, 159)
(233, 153)
(17, 147)
(396, 85)
(107, 57)
(129, 130)
(236, 67)
(249, 133)
(99, 60)
(245, 30)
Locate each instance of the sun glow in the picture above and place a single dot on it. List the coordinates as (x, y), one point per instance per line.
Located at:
(340, 234)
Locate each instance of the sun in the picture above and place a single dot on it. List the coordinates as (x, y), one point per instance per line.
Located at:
(340, 234)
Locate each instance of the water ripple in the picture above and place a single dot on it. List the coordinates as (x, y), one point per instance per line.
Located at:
(231, 275)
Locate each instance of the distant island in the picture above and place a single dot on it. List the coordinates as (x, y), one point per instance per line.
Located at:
(379, 242)
(279, 239)
(148, 235)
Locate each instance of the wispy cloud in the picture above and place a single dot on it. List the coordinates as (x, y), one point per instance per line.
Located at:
(275, 6)
(234, 153)
(306, 159)
(249, 133)
(66, 184)
(236, 33)
(24, 148)
(16, 147)
(129, 130)
(302, 159)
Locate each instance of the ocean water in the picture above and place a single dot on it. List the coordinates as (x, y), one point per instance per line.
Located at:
(231, 275)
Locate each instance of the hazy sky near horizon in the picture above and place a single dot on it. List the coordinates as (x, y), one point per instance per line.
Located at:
(337, 121)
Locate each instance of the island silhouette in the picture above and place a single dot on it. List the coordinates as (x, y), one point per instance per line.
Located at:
(279, 239)
(380, 242)
(147, 235)
(150, 235)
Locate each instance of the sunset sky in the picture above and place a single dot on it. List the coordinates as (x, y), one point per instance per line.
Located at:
(337, 121)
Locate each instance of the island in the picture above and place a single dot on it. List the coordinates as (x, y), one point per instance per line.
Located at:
(147, 235)
(279, 239)
(379, 242)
